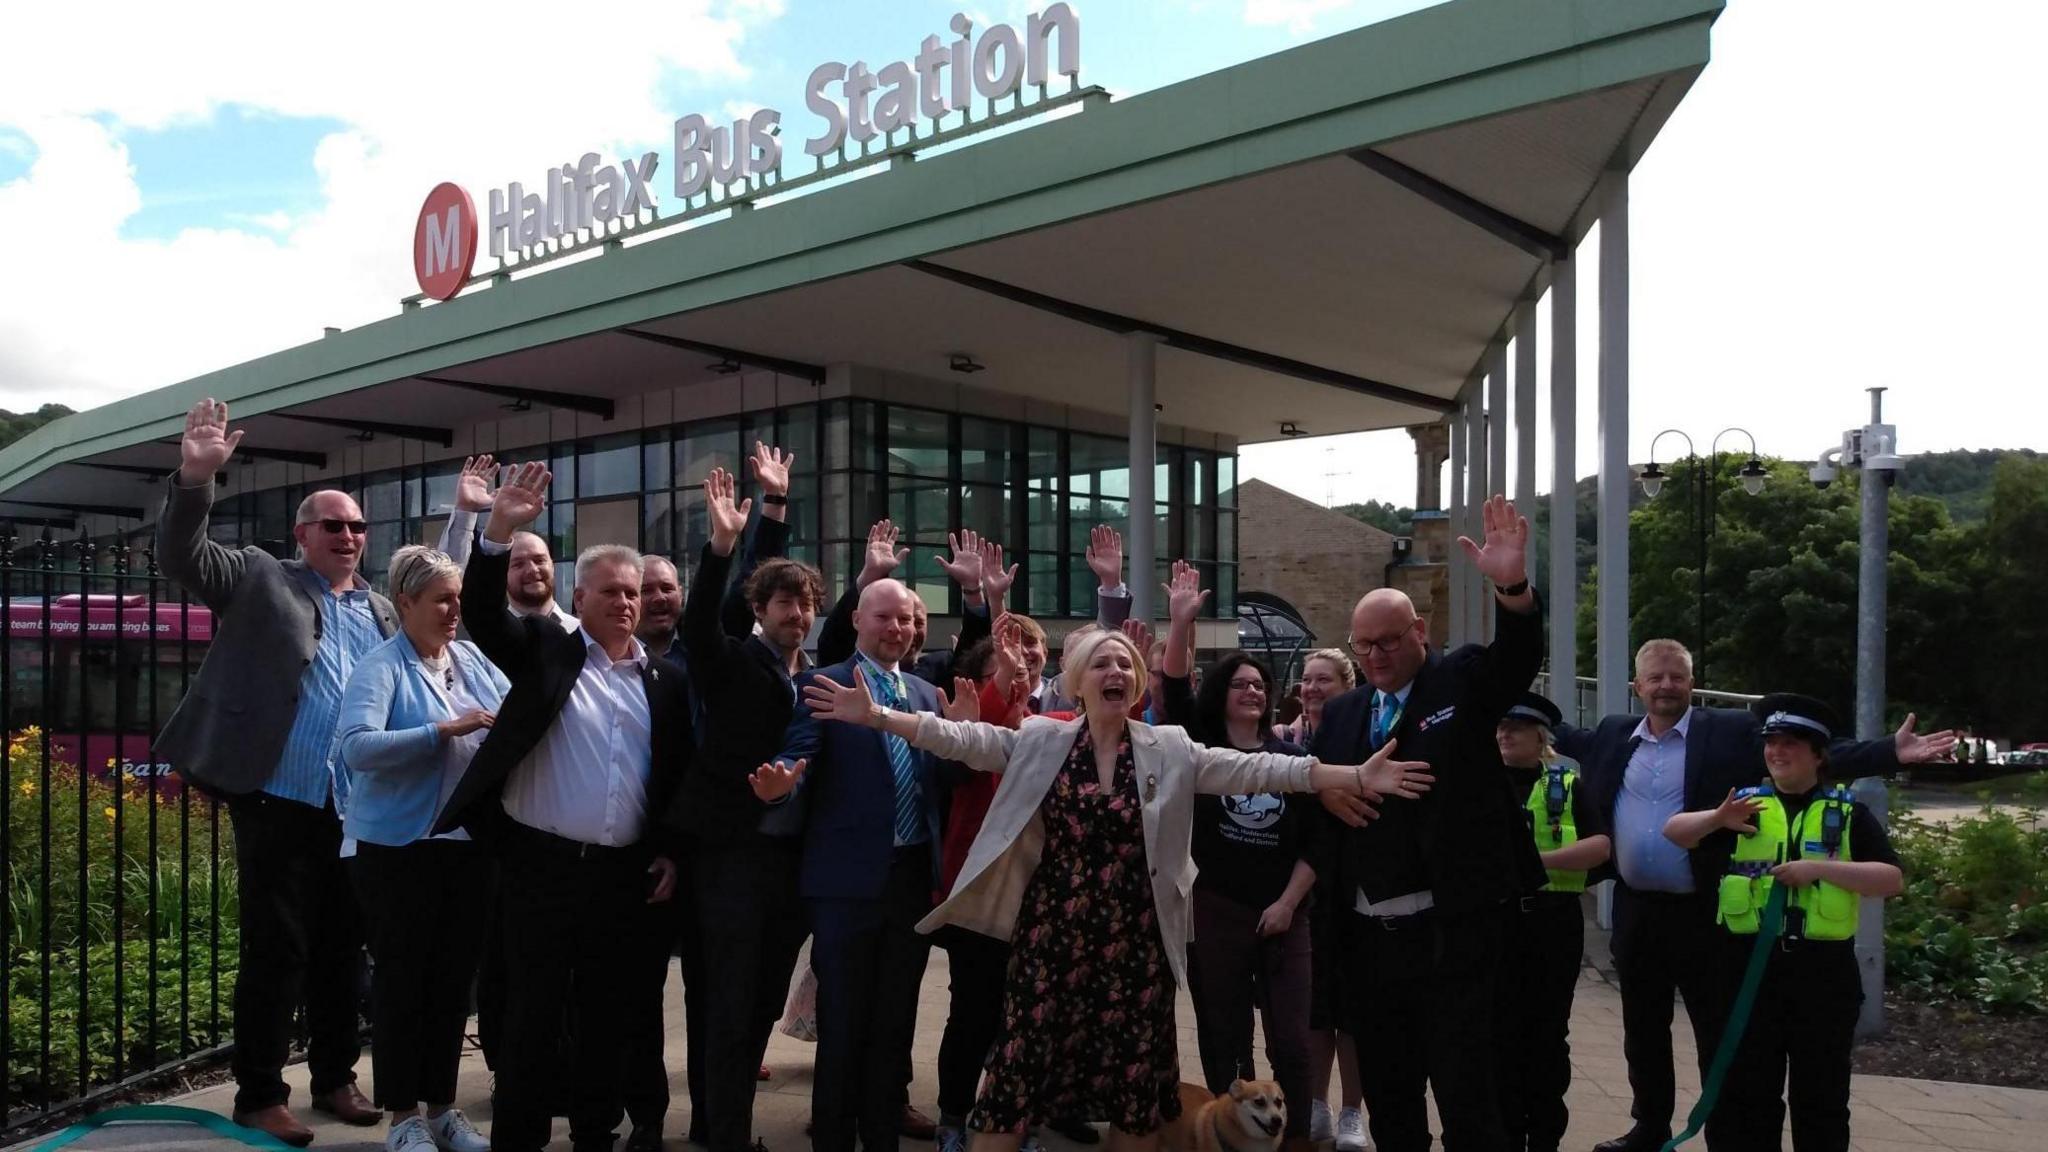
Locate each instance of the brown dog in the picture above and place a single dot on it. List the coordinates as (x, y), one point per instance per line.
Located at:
(1251, 1117)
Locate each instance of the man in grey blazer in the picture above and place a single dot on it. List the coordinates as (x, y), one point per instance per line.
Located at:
(256, 728)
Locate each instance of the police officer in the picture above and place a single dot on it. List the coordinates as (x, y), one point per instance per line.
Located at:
(1546, 939)
(1828, 851)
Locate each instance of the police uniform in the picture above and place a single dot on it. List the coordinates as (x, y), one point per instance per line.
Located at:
(1542, 950)
(1804, 1019)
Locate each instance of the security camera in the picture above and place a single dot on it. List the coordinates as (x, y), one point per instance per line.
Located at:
(1822, 475)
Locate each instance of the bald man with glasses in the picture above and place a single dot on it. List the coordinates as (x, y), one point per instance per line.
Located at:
(256, 728)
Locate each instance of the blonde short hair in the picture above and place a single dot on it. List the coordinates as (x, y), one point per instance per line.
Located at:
(416, 566)
(1079, 652)
(1663, 646)
(1338, 658)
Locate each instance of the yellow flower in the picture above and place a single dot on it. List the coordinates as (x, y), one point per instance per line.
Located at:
(110, 761)
(28, 787)
(110, 811)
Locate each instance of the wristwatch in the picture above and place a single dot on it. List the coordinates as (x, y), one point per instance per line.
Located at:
(1515, 589)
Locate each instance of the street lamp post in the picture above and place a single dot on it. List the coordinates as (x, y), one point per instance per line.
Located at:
(1705, 473)
(1872, 449)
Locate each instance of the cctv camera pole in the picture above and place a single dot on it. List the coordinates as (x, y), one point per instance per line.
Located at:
(1875, 453)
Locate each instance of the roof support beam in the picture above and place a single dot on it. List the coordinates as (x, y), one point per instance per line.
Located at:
(598, 406)
(144, 470)
(798, 368)
(1186, 341)
(246, 452)
(88, 509)
(366, 429)
(1529, 238)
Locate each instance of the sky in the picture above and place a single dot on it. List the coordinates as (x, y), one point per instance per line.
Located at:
(1845, 199)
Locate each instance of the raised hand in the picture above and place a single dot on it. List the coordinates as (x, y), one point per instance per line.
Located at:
(207, 445)
(519, 501)
(1138, 633)
(774, 780)
(771, 466)
(964, 705)
(1737, 815)
(1922, 748)
(1385, 776)
(466, 723)
(1184, 593)
(964, 566)
(473, 486)
(1504, 558)
(995, 579)
(727, 519)
(1010, 671)
(828, 699)
(881, 558)
(1106, 556)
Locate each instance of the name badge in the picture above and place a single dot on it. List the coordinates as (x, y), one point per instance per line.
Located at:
(1436, 718)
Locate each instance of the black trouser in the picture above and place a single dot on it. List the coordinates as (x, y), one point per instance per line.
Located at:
(425, 925)
(301, 937)
(1231, 970)
(576, 925)
(753, 927)
(1539, 972)
(870, 961)
(490, 969)
(674, 934)
(1804, 1022)
(1423, 1019)
(1664, 944)
(974, 1016)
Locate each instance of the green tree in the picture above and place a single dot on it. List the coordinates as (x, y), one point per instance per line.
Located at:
(13, 426)
(1399, 521)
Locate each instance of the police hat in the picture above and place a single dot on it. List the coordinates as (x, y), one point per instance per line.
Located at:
(1535, 710)
(1797, 715)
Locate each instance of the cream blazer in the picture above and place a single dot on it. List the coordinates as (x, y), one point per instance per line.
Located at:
(1171, 769)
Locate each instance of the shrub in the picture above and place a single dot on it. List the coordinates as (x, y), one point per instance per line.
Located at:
(1972, 923)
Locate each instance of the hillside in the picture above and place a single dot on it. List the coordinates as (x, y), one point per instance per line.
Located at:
(13, 426)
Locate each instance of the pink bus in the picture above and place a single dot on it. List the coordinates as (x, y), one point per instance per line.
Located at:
(96, 671)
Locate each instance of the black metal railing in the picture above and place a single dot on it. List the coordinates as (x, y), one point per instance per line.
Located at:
(119, 915)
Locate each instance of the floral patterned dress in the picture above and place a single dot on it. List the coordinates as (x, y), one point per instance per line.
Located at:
(1088, 1024)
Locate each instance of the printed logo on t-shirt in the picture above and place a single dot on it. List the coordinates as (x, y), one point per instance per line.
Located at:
(1256, 812)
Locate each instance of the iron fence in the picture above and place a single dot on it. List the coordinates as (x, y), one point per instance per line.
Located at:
(119, 915)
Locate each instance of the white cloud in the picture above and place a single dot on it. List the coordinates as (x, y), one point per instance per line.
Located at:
(479, 93)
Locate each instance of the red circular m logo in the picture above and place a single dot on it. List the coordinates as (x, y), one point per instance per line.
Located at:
(444, 242)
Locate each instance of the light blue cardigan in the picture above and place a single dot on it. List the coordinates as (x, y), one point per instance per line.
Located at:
(388, 755)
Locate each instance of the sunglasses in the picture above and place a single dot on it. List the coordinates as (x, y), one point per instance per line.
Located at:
(337, 527)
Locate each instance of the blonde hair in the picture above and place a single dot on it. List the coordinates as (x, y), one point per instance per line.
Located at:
(416, 566)
(1663, 646)
(1079, 652)
(1339, 659)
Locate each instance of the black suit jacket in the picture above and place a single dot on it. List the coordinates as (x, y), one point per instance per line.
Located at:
(542, 661)
(1464, 840)
(1724, 750)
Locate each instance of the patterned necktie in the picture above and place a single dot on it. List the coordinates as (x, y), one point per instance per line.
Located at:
(909, 792)
(1386, 717)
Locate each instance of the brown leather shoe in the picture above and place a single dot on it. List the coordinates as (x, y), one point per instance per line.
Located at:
(916, 1125)
(348, 1105)
(277, 1120)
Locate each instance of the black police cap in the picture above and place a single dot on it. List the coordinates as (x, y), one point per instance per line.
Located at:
(1535, 709)
(1789, 712)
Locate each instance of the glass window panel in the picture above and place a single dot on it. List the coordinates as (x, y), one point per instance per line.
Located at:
(655, 461)
(560, 532)
(609, 466)
(1094, 453)
(927, 579)
(273, 515)
(920, 509)
(380, 498)
(412, 496)
(608, 522)
(1043, 596)
(803, 508)
(565, 584)
(797, 431)
(984, 509)
(384, 540)
(1226, 590)
(440, 491)
(1226, 481)
(696, 527)
(984, 450)
(865, 439)
(838, 510)
(1042, 460)
(564, 487)
(1201, 468)
(1201, 542)
(657, 524)
(919, 442)
(1161, 525)
(1226, 537)
(1081, 588)
(1042, 521)
(838, 430)
(1114, 482)
(837, 570)
(804, 553)
(704, 446)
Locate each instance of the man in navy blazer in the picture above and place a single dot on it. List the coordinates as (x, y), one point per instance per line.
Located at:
(870, 861)
(1641, 771)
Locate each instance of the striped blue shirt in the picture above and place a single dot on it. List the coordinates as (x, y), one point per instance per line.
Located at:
(348, 630)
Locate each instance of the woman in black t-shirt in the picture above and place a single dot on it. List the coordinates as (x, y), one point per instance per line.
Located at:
(1251, 945)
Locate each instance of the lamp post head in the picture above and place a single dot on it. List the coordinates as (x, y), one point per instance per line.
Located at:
(1652, 479)
(1753, 476)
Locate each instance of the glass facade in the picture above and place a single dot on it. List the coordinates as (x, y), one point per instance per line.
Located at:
(1036, 490)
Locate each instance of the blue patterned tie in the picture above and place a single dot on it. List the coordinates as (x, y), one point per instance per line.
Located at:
(909, 792)
(1386, 716)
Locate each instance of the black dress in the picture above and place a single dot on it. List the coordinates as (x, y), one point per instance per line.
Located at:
(1088, 1005)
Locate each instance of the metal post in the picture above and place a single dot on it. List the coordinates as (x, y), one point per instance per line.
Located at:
(1457, 510)
(1476, 489)
(1611, 630)
(1878, 455)
(1564, 486)
(1139, 546)
(1497, 418)
(1525, 407)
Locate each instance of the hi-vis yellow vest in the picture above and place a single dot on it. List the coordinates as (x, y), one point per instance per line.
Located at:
(1815, 912)
(1550, 814)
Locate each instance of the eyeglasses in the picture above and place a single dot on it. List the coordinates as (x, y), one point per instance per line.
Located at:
(337, 527)
(1247, 685)
(1387, 645)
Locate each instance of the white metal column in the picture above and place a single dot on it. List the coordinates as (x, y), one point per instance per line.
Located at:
(1456, 508)
(1611, 628)
(1525, 408)
(1563, 604)
(1476, 489)
(1497, 418)
(1139, 546)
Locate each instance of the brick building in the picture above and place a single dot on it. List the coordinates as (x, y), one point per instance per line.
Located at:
(1319, 560)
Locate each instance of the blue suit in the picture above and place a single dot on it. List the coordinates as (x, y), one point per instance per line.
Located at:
(387, 758)
(866, 896)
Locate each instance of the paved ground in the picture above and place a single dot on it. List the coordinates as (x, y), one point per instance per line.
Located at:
(1890, 1115)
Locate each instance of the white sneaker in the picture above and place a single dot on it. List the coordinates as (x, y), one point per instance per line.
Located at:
(409, 1135)
(453, 1132)
(1351, 1131)
(1319, 1122)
